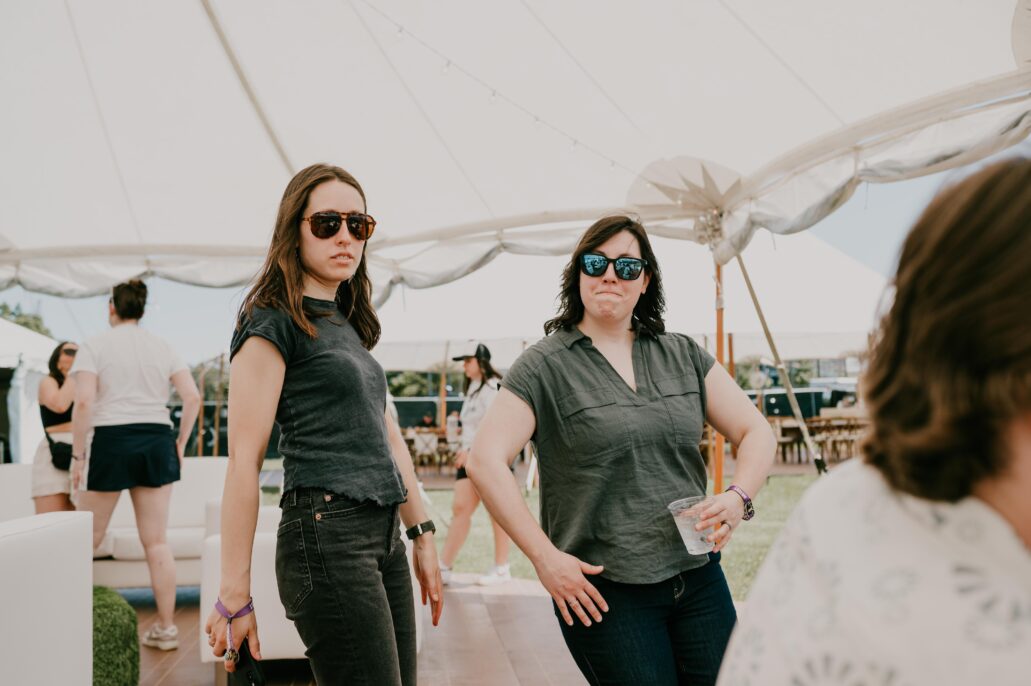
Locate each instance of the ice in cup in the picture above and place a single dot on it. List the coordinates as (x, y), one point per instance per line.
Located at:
(687, 513)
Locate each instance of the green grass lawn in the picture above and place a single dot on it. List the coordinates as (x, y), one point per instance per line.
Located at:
(741, 559)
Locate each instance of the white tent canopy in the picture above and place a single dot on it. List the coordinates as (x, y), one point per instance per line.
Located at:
(26, 352)
(156, 139)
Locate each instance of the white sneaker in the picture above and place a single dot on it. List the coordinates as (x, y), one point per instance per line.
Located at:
(162, 639)
(496, 575)
(445, 575)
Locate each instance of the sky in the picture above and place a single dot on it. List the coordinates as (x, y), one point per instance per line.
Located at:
(198, 322)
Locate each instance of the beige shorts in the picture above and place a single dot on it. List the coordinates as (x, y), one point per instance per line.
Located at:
(46, 478)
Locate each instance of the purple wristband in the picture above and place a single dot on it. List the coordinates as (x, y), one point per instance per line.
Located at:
(231, 654)
(242, 612)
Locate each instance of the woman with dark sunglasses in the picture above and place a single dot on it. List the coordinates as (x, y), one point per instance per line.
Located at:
(616, 406)
(52, 484)
(300, 357)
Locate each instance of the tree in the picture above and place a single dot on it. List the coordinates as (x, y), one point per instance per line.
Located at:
(799, 372)
(408, 384)
(33, 322)
(751, 374)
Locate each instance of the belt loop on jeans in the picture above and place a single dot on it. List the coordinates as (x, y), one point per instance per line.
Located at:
(290, 498)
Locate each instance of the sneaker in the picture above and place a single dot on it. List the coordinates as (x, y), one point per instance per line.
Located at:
(496, 575)
(162, 639)
(445, 575)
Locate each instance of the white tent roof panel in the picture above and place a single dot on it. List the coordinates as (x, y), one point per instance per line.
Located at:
(166, 133)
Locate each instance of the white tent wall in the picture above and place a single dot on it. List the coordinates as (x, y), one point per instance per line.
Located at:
(166, 133)
(26, 352)
(807, 287)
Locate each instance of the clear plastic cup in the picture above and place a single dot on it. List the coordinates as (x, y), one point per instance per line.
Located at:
(687, 513)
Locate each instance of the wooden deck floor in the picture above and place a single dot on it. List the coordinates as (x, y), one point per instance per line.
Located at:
(505, 635)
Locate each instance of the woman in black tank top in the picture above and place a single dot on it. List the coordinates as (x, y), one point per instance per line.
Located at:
(51, 487)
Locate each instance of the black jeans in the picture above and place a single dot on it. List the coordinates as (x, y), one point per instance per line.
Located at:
(671, 632)
(344, 580)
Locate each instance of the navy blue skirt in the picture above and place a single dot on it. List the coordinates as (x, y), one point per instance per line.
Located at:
(130, 455)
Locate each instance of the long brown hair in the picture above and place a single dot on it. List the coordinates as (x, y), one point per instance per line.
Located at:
(280, 284)
(648, 312)
(951, 366)
(56, 373)
(487, 371)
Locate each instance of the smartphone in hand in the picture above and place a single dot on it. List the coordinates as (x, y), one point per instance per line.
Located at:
(248, 670)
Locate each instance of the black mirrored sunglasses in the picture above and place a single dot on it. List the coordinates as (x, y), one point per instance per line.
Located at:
(70, 352)
(327, 224)
(626, 268)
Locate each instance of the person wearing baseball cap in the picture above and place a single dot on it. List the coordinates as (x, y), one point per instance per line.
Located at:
(481, 381)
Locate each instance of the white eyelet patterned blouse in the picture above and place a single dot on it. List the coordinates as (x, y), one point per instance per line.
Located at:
(868, 586)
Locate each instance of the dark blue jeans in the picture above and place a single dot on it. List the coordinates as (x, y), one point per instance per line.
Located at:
(344, 580)
(671, 632)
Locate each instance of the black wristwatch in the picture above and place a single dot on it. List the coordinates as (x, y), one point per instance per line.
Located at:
(749, 508)
(419, 529)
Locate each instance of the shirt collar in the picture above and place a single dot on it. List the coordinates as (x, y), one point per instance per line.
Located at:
(568, 337)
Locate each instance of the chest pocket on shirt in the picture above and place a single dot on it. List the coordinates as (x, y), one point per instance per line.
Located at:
(592, 422)
(683, 399)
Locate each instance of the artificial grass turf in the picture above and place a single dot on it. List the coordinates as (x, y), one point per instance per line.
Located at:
(741, 558)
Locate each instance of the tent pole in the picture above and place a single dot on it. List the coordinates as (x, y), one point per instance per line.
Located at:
(821, 466)
(218, 403)
(717, 477)
(730, 369)
(442, 411)
(200, 415)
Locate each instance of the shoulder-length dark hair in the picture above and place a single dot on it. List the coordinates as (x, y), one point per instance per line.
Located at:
(55, 373)
(951, 365)
(647, 317)
(280, 284)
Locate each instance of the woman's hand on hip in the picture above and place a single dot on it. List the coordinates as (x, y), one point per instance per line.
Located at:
(243, 627)
(563, 575)
(460, 457)
(724, 514)
(427, 571)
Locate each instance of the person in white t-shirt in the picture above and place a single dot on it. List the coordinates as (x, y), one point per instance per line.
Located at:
(912, 566)
(121, 395)
(481, 388)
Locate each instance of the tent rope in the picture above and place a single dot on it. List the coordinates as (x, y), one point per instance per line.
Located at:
(103, 123)
(821, 465)
(246, 85)
(422, 110)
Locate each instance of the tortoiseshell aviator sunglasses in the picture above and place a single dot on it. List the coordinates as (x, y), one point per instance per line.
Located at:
(327, 224)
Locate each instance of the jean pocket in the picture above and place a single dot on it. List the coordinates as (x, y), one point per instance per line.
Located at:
(339, 507)
(293, 575)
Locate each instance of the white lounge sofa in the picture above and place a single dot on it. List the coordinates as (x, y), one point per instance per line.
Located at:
(121, 561)
(16, 491)
(46, 598)
(279, 638)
